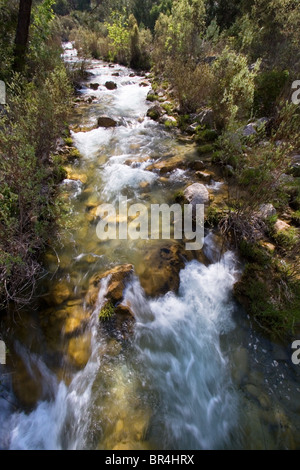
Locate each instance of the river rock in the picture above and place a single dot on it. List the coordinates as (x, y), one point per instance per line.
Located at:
(79, 350)
(159, 271)
(204, 176)
(60, 293)
(167, 164)
(111, 85)
(155, 112)
(197, 165)
(115, 74)
(256, 393)
(94, 86)
(105, 121)
(196, 194)
(240, 366)
(119, 277)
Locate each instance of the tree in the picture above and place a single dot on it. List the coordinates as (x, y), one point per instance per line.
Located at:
(22, 34)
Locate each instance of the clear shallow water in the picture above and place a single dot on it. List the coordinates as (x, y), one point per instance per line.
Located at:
(193, 374)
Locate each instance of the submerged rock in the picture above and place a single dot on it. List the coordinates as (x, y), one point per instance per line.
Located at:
(159, 272)
(60, 293)
(79, 350)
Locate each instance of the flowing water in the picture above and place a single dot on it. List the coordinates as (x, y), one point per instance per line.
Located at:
(192, 373)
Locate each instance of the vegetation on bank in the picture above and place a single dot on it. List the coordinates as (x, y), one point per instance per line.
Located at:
(38, 99)
(227, 69)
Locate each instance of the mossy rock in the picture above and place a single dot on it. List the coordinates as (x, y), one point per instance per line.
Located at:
(152, 97)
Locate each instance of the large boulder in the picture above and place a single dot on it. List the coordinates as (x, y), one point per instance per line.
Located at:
(105, 121)
(197, 193)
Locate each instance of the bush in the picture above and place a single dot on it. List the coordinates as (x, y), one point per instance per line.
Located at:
(268, 87)
(35, 117)
(233, 91)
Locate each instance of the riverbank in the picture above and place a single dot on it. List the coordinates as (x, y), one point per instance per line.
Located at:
(257, 212)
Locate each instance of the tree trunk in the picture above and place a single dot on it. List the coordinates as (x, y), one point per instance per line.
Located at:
(22, 34)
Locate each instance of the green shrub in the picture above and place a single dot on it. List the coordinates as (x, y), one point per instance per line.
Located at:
(286, 238)
(205, 135)
(203, 149)
(254, 253)
(233, 91)
(213, 216)
(268, 87)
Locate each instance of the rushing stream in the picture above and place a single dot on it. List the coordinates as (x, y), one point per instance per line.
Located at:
(193, 373)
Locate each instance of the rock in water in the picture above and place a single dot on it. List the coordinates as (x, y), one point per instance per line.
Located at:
(94, 86)
(111, 85)
(196, 193)
(119, 276)
(105, 121)
(159, 273)
(155, 112)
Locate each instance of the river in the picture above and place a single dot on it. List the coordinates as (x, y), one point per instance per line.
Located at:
(193, 373)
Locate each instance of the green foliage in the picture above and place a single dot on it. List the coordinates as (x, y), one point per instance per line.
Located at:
(271, 299)
(107, 312)
(37, 108)
(205, 135)
(268, 88)
(119, 38)
(295, 217)
(286, 239)
(254, 253)
(213, 216)
(233, 92)
(207, 148)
